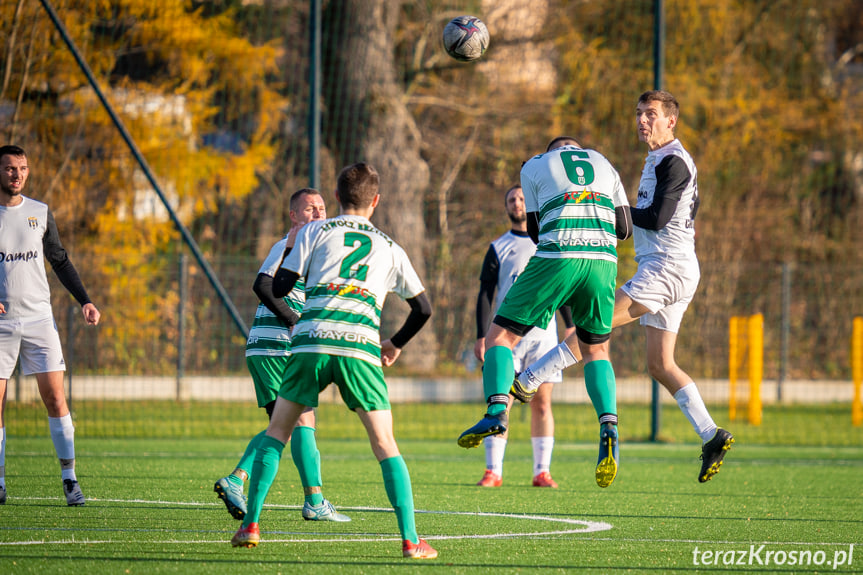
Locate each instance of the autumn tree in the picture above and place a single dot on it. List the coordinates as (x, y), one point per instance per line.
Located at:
(202, 112)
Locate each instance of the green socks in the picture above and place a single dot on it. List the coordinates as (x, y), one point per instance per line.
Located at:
(601, 386)
(497, 374)
(248, 458)
(307, 458)
(264, 470)
(397, 482)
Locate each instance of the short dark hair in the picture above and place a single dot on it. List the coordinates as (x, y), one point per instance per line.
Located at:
(357, 185)
(552, 144)
(295, 197)
(670, 105)
(506, 195)
(10, 150)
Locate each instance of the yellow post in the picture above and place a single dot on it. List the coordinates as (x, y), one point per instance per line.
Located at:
(857, 369)
(756, 366)
(733, 366)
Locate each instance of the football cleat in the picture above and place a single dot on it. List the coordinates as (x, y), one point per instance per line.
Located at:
(323, 512)
(421, 550)
(519, 392)
(544, 480)
(74, 497)
(488, 425)
(712, 454)
(606, 465)
(232, 495)
(2, 495)
(247, 536)
(490, 479)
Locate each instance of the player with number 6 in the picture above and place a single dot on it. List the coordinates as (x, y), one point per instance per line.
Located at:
(577, 211)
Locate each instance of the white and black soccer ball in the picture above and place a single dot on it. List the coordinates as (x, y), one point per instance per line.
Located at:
(465, 38)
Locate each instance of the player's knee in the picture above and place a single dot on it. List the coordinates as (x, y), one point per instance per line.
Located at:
(541, 407)
(659, 369)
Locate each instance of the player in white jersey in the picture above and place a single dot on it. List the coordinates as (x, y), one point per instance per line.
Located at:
(29, 238)
(504, 261)
(267, 351)
(668, 272)
(349, 267)
(577, 210)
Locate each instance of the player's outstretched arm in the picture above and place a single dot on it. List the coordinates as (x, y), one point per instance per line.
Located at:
(420, 313)
(263, 288)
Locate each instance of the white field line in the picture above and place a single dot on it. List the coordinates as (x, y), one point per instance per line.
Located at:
(583, 527)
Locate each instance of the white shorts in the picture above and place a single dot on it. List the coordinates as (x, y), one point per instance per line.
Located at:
(532, 348)
(665, 286)
(38, 343)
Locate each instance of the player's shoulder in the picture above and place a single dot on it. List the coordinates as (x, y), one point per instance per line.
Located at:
(29, 203)
(672, 149)
(280, 244)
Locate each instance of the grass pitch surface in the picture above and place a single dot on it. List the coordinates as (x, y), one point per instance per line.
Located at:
(151, 509)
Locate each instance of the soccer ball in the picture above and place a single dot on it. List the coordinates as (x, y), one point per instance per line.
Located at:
(465, 38)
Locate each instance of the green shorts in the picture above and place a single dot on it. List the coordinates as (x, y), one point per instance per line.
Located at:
(267, 373)
(361, 384)
(546, 284)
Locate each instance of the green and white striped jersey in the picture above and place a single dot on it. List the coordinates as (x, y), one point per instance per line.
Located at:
(575, 192)
(349, 266)
(268, 335)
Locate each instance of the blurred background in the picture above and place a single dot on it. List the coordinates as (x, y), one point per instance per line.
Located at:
(167, 137)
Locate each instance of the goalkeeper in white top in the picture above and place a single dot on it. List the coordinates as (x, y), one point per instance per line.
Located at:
(577, 211)
(667, 275)
(349, 266)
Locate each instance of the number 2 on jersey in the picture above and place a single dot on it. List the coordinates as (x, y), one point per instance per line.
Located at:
(351, 267)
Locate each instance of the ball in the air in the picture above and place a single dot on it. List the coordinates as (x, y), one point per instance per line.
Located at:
(465, 38)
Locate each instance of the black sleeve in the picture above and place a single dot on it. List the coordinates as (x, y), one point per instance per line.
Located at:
(420, 313)
(263, 288)
(672, 177)
(566, 316)
(487, 284)
(56, 255)
(533, 226)
(280, 281)
(622, 222)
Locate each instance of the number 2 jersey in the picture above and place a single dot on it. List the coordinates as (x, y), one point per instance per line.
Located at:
(349, 267)
(575, 192)
(664, 216)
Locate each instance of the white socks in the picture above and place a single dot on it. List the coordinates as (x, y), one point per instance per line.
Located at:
(556, 359)
(693, 408)
(495, 447)
(63, 436)
(542, 447)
